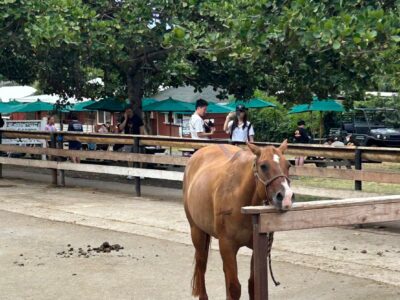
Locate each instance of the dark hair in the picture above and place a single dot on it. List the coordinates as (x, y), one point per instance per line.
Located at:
(330, 139)
(201, 103)
(235, 123)
(301, 122)
(74, 117)
(241, 108)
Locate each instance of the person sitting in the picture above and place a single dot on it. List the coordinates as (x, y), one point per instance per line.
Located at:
(237, 126)
(75, 125)
(51, 124)
(102, 129)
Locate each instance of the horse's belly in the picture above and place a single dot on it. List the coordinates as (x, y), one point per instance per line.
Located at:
(201, 212)
(199, 204)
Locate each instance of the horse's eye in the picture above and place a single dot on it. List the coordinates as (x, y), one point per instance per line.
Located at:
(264, 167)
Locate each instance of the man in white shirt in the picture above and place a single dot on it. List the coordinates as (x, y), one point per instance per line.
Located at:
(196, 123)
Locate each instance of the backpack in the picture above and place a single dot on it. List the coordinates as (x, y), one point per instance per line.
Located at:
(248, 130)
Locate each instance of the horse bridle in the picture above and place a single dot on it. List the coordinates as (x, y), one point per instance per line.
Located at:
(270, 234)
(269, 181)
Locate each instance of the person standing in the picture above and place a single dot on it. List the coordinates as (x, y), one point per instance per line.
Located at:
(1, 121)
(237, 126)
(196, 122)
(131, 123)
(76, 126)
(301, 136)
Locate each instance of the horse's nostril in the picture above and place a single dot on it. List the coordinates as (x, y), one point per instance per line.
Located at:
(279, 196)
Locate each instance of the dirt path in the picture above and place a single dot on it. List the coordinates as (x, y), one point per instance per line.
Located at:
(339, 250)
(146, 268)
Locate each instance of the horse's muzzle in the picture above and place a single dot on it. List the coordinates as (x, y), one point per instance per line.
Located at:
(284, 199)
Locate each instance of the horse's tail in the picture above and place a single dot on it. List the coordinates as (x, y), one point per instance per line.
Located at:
(200, 267)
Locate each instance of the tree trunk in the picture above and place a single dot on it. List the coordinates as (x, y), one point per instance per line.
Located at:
(135, 83)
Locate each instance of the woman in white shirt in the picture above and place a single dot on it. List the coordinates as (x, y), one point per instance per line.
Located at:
(237, 126)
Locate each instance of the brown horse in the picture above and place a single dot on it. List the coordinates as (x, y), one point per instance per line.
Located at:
(219, 180)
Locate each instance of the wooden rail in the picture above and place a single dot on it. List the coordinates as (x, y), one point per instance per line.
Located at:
(313, 214)
(357, 154)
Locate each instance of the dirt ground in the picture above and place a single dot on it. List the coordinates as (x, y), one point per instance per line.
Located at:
(146, 268)
(39, 221)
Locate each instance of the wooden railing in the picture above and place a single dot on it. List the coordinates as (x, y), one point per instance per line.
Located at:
(314, 214)
(356, 154)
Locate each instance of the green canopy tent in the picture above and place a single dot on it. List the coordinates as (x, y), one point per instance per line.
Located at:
(170, 106)
(9, 107)
(321, 106)
(108, 104)
(78, 106)
(214, 108)
(252, 103)
(34, 107)
(148, 101)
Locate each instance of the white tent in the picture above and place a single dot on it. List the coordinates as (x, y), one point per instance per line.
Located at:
(46, 98)
(8, 93)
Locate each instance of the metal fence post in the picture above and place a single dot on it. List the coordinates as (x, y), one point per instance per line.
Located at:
(136, 149)
(53, 145)
(358, 166)
(60, 145)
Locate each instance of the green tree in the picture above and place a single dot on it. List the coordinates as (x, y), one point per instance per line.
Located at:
(300, 47)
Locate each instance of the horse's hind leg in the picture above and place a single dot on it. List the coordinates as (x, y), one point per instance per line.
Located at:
(201, 242)
(228, 253)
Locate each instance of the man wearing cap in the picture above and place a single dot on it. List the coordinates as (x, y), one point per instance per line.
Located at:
(237, 126)
(196, 122)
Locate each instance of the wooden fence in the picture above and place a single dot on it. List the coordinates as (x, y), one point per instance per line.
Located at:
(356, 154)
(313, 214)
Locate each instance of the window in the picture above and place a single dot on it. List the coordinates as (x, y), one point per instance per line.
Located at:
(103, 117)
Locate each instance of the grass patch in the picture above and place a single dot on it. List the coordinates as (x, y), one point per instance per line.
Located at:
(370, 187)
(307, 198)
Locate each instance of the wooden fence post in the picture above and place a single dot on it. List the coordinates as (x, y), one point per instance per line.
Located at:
(53, 145)
(358, 166)
(136, 149)
(260, 260)
(1, 165)
(60, 145)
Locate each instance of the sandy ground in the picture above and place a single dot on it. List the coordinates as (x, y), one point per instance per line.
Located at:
(110, 207)
(147, 268)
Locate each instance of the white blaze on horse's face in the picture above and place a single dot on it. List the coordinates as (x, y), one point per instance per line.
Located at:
(288, 194)
(276, 158)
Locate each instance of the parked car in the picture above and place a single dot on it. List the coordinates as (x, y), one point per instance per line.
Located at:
(372, 127)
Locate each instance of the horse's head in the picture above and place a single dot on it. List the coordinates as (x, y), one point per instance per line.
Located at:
(271, 171)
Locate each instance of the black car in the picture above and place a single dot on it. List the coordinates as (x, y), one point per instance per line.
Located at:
(373, 127)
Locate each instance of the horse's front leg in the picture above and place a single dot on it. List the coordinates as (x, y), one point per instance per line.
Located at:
(228, 250)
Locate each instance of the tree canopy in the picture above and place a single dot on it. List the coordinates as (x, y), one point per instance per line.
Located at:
(298, 47)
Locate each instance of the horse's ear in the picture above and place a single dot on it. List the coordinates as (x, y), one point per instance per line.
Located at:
(253, 148)
(283, 147)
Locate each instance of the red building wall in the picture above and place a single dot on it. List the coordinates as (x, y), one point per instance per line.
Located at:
(164, 128)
